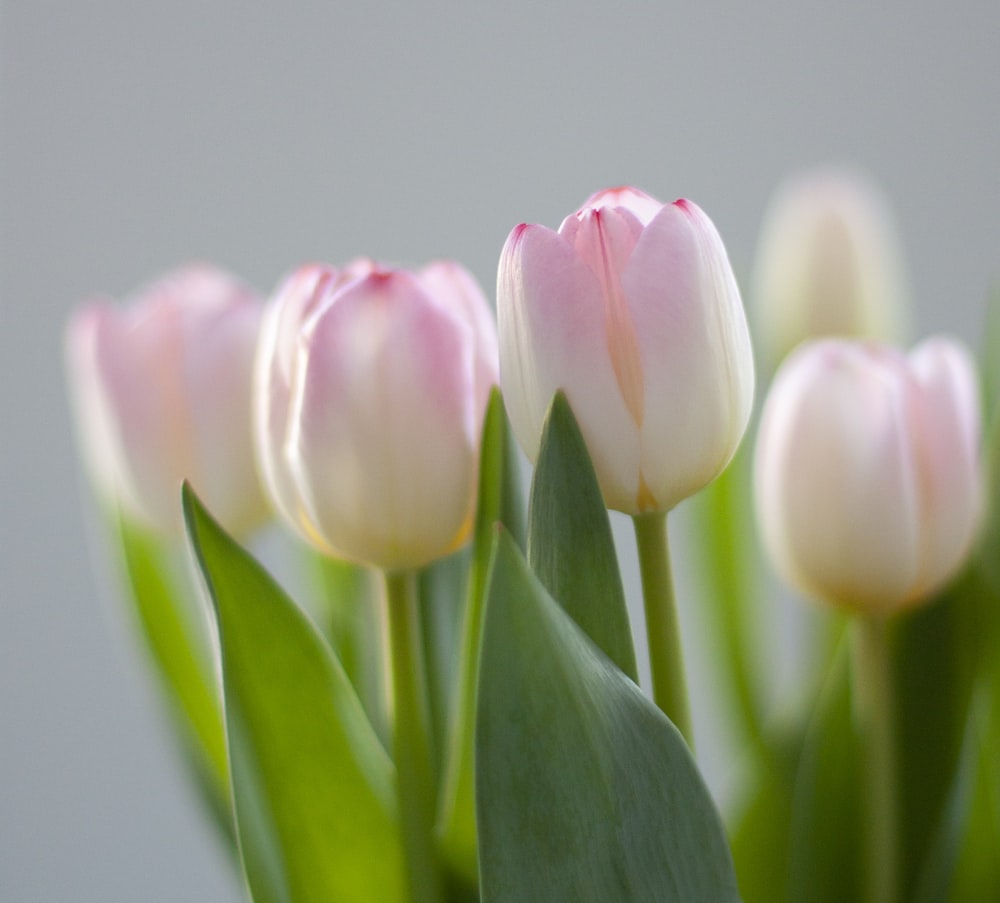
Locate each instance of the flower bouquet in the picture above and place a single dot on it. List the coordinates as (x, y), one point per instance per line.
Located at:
(446, 706)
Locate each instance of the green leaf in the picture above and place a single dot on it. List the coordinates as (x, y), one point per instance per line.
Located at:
(570, 546)
(499, 502)
(353, 619)
(178, 652)
(442, 589)
(761, 834)
(826, 862)
(313, 787)
(585, 791)
(727, 557)
(935, 652)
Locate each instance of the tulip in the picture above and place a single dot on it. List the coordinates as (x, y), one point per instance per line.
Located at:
(867, 471)
(371, 387)
(632, 310)
(828, 264)
(162, 390)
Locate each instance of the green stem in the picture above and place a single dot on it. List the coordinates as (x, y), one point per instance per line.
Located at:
(873, 691)
(411, 739)
(666, 661)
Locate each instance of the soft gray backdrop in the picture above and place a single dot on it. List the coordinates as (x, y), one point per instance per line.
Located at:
(138, 136)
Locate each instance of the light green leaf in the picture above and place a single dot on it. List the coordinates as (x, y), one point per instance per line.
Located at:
(352, 617)
(177, 649)
(570, 546)
(727, 558)
(313, 787)
(586, 793)
(499, 502)
(761, 834)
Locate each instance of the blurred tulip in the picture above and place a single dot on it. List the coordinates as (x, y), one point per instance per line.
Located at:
(867, 471)
(162, 390)
(631, 309)
(371, 388)
(828, 263)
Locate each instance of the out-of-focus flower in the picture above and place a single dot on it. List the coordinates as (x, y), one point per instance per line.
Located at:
(162, 390)
(372, 385)
(867, 471)
(828, 263)
(632, 310)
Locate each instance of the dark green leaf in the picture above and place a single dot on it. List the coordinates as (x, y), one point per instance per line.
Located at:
(570, 546)
(585, 791)
(934, 670)
(826, 860)
(499, 502)
(178, 649)
(313, 787)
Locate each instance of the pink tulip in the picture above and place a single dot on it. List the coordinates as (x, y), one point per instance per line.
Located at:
(867, 471)
(163, 393)
(372, 385)
(632, 310)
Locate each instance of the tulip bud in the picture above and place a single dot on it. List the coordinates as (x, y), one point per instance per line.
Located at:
(828, 264)
(632, 310)
(867, 471)
(162, 390)
(371, 388)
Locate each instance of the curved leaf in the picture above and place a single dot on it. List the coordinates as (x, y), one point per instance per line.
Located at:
(313, 787)
(179, 655)
(585, 791)
(570, 546)
(499, 502)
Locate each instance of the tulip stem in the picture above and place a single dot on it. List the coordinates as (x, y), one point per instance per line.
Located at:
(873, 691)
(411, 739)
(666, 661)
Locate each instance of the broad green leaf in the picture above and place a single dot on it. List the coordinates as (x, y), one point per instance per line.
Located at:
(977, 873)
(570, 546)
(177, 649)
(314, 790)
(586, 793)
(499, 502)
(934, 670)
(826, 858)
(964, 862)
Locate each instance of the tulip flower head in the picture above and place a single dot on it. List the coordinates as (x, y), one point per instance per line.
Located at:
(631, 308)
(372, 384)
(162, 390)
(828, 264)
(867, 471)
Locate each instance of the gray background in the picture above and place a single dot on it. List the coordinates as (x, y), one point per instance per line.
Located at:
(138, 136)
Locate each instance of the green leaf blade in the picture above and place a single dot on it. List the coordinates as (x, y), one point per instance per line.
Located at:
(314, 790)
(499, 502)
(585, 791)
(570, 545)
(176, 653)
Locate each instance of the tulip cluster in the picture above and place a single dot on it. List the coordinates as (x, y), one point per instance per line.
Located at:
(360, 406)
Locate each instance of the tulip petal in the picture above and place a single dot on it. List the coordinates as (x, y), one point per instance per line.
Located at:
(694, 345)
(946, 433)
(551, 322)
